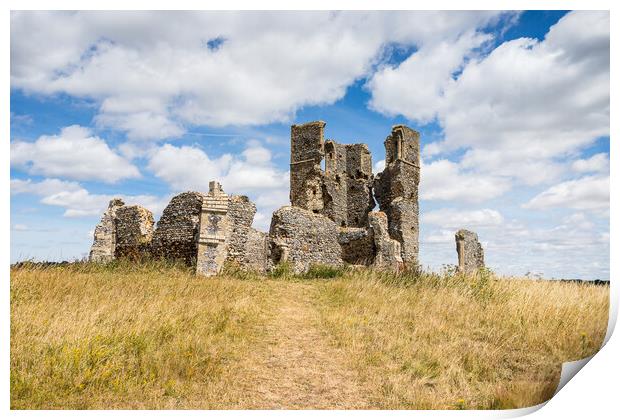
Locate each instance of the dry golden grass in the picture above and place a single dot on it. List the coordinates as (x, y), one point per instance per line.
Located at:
(156, 336)
(146, 337)
(443, 342)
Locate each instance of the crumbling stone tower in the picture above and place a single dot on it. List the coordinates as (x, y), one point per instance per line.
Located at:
(343, 192)
(307, 150)
(396, 189)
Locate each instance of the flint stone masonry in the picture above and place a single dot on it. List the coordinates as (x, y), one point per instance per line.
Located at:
(343, 192)
(246, 246)
(396, 189)
(388, 252)
(226, 235)
(134, 232)
(104, 242)
(347, 184)
(358, 245)
(330, 221)
(303, 238)
(307, 151)
(469, 251)
(256, 256)
(176, 235)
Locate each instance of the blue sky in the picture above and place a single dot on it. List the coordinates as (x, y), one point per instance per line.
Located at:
(513, 111)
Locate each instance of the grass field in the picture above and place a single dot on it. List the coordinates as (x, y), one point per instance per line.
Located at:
(155, 336)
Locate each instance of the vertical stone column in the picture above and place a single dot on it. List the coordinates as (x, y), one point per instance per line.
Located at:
(387, 250)
(307, 151)
(104, 243)
(214, 226)
(396, 189)
(335, 183)
(359, 185)
(469, 251)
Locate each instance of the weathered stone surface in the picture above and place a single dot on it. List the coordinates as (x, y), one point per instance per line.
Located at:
(303, 238)
(396, 189)
(241, 212)
(256, 256)
(214, 232)
(469, 251)
(176, 235)
(359, 185)
(343, 192)
(104, 243)
(226, 235)
(347, 184)
(358, 245)
(134, 232)
(307, 150)
(387, 250)
(335, 183)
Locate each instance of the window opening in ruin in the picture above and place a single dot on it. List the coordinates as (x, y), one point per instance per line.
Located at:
(343, 224)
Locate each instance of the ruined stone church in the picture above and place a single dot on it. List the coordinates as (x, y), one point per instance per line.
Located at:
(330, 220)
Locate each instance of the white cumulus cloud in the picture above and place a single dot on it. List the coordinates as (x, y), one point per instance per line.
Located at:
(74, 153)
(76, 200)
(587, 193)
(154, 73)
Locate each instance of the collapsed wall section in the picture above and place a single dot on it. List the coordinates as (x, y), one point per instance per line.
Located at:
(387, 250)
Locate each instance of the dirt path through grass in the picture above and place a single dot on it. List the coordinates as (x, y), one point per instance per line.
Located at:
(299, 368)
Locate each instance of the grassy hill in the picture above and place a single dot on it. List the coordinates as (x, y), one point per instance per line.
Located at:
(156, 336)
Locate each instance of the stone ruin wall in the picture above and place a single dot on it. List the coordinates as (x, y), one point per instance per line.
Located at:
(469, 251)
(396, 189)
(307, 150)
(104, 243)
(176, 235)
(346, 187)
(134, 232)
(301, 238)
(226, 234)
(330, 221)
